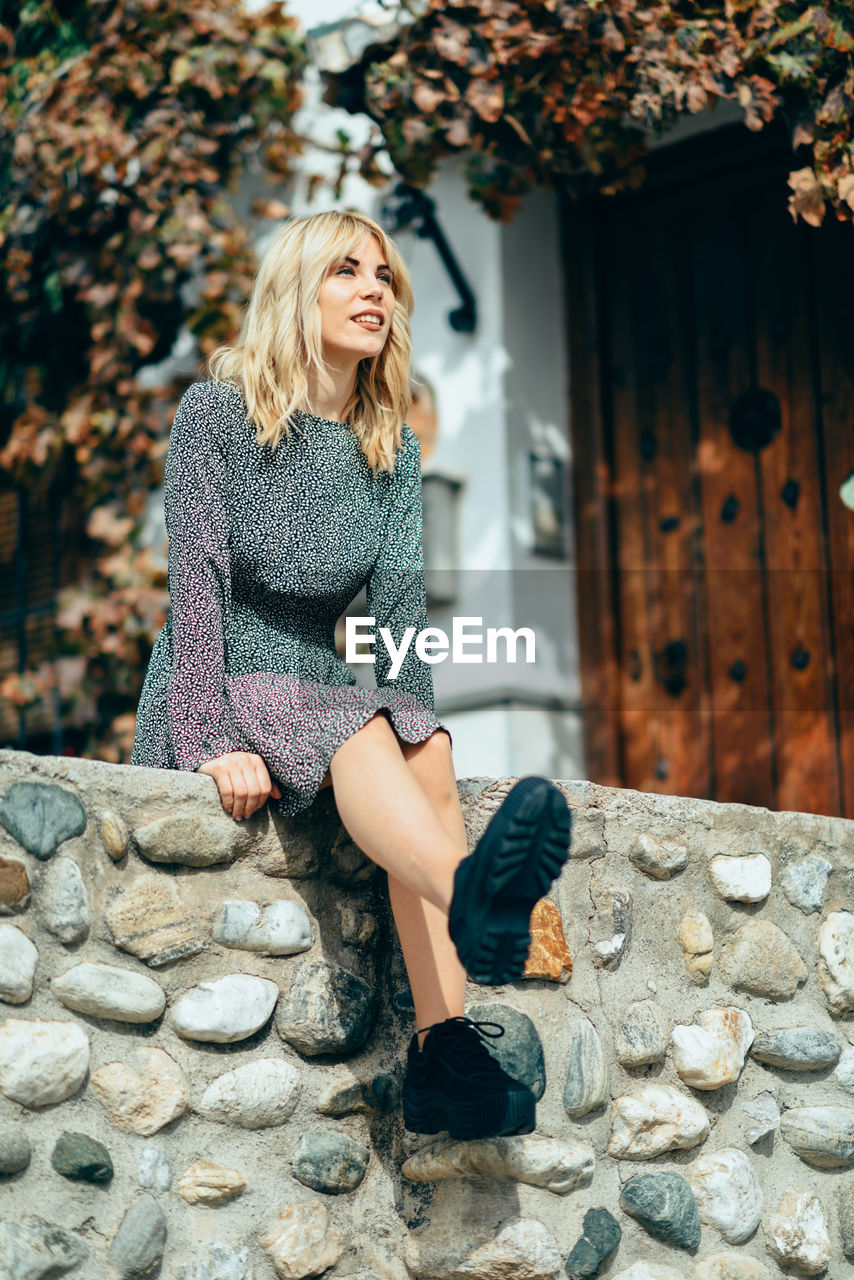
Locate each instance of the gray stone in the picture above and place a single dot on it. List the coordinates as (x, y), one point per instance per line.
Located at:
(330, 1162)
(586, 1086)
(139, 1242)
(222, 1263)
(368, 1095)
(328, 1010)
(611, 927)
(844, 1072)
(15, 1150)
(191, 838)
(40, 815)
(62, 901)
(640, 1039)
(600, 1236)
(804, 882)
(153, 1170)
(519, 1051)
(281, 929)
(358, 928)
(349, 864)
(107, 991)
(35, 1249)
(81, 1158)
(797, 1048)
(664, 1204)
(18, 959)
(760, 958)
(659, 859)
(822, 1136)
(836, 961)
(226, 1010)
(846, 1216)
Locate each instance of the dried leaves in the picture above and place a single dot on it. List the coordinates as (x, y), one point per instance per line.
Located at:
(558, 91)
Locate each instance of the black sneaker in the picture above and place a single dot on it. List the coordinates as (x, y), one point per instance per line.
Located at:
(511, 869)
(453, 1083)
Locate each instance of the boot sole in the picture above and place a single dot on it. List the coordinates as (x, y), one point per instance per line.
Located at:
(517, 859)
(488, 1117)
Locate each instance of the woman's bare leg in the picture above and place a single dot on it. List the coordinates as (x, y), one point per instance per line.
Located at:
(400, 804)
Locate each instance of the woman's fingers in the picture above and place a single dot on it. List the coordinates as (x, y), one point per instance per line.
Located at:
(243, 780)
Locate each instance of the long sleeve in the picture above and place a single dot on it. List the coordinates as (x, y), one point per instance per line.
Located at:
(396, 596)
(199, 578)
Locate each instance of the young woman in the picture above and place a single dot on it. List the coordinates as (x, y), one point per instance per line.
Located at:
(291, 482)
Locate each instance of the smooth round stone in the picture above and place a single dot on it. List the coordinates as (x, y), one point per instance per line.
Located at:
(727, 1193)
(797, 1048)
(586, 1085)
(553, 1163)
(822, 1136)
(207, 1183)
(844, 1072)
(330, 1162)
(846, 1216)
(760, 958)
(15, 1150)
(664, 1205)
(836, 961)
(225, 1010)
(81, 1158)
(281, 929)
(804, 882)
(600, 1236)
(200, 840)
(62, 901)
(34, 1249)
(302, 1241)
(746, 879)
(18, 959)
(367, 1095)
(140, 1240)
(42, 1062)
(655, 1119)
(107, 991)
(142, 1095)
(40, 815)
(519, 1051)
(640, 1039)
(659, 859)
(797, 1233)
(328, 1010)
(711, 1053)
(253, 1096)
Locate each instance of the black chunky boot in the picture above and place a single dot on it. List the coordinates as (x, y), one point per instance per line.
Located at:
(453, 1083)
(497, 886)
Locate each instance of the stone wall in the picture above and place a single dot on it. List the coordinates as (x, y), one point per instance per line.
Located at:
(206, 1022)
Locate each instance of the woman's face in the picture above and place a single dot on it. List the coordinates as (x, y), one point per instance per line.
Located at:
(357, 286)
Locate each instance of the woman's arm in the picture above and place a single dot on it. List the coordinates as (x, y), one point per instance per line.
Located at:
(199, 577)
(396, 597)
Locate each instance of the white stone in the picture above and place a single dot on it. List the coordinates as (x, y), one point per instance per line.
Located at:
(764, 1109)
(107, 991)
(208, 1183)
(18, 959)
(845, 1071)
(42, 1062)
(797, 1232)
(62, 901)
(732, 1266)
(522, 1249)
(836, 960)
(553, 1163)
(649, 1271)
(281, 929)
(656, 1118)
(728, 1195)
(225, 1010)
(144, 1094)
(153, 1170)
(804, 882)
(302, 1243)
(254, 1096)
(711, 1053)
(746, 879)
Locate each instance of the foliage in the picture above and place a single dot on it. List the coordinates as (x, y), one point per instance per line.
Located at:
(122, 123)
(560, 92)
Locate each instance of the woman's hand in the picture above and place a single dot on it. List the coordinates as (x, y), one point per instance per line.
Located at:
(243, 781)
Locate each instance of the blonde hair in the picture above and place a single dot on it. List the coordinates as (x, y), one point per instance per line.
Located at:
(280, 337)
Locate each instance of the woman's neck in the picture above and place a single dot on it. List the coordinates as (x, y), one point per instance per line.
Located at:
(330, 390)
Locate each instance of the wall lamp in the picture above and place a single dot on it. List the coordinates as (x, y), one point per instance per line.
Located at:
(410, 207)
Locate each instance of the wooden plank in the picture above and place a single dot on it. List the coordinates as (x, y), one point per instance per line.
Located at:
(791, 493)
(832, 275)
(591, 490)
(742, 726)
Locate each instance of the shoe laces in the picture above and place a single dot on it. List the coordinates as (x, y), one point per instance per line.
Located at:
(467, 1038)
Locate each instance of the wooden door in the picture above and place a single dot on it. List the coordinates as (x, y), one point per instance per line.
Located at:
(712, 412)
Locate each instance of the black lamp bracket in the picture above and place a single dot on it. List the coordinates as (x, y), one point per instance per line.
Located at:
(411, 207)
